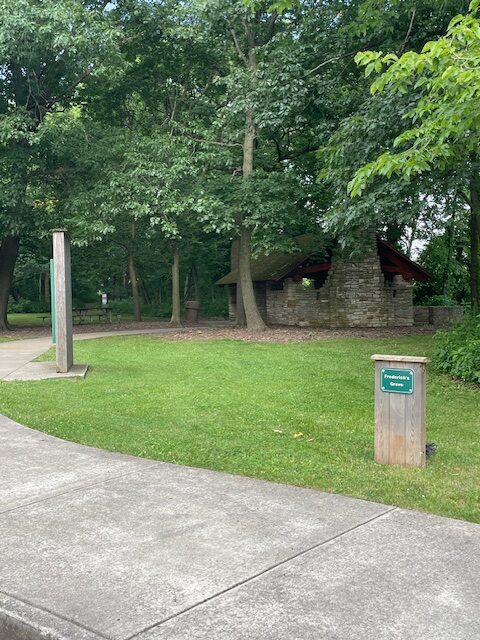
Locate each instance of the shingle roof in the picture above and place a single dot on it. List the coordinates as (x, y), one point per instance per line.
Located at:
(276, 265)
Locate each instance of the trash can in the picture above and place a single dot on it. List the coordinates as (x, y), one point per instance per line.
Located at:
(191, 310)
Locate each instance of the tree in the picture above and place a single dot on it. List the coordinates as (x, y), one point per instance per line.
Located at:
(48, 52)
(128, 188)
(274, 97)
(445, 120)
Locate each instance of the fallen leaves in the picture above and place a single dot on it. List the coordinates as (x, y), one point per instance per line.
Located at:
(297, 435)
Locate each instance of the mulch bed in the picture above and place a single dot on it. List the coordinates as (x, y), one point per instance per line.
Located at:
(272, 334)
(290, 334)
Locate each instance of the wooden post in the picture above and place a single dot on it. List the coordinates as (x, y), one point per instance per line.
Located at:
(52, 298)
(400, 410)
(63, 300)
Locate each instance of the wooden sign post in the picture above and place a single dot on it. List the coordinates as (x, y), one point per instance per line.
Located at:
(400, 410)
(63, 301)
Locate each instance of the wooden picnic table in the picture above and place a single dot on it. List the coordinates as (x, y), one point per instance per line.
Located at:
(83, 313)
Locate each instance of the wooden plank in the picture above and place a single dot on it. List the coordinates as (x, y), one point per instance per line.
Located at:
(382, 419)
(314, 268)
(63, 301)
(389, 358)
(396, 427)
(416, 420)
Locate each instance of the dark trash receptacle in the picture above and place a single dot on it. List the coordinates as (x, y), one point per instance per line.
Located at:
(191, 310)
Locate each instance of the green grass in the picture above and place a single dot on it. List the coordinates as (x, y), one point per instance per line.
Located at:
(239, 407)
(27, 320)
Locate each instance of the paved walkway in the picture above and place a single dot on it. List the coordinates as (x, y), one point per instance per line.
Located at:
(15, 355)
(97, 545)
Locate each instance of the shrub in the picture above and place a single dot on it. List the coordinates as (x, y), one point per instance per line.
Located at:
(214, 308)
(208, 309)
(457, 351)
(125, 308)
(28, 306)
(440, 301)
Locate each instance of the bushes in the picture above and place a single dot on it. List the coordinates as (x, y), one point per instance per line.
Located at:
(208, 309)
(28, 306)
(214, 308)
(457, 351)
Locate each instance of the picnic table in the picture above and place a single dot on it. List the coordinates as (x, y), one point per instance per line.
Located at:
(82, 314)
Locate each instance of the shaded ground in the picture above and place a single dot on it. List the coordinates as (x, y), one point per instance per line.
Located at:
(22, 332)
(291, 334)
(218, 330)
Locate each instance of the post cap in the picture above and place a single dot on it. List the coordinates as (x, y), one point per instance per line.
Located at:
(418, 359)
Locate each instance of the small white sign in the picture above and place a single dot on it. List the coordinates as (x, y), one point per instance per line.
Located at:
(104, 299)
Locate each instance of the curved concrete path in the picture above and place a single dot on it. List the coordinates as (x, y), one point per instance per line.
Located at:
(97, 545)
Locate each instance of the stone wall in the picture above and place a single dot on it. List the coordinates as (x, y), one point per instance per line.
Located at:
(296, 305)
(355, 294)
(437, 316)
(260, 290)
(399, 297)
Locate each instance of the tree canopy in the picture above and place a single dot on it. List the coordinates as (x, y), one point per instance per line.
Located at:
(176, 139)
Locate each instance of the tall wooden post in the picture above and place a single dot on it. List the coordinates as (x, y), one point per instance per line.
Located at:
(63, 300)
(52, 298)
(400, 410)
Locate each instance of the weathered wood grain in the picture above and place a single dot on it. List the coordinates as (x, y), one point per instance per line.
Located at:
(382, 419)
(63, 300)
(400, 419)
(389, 358)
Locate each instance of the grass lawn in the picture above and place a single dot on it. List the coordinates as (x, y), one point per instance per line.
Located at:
(27, 320)
(295, 413)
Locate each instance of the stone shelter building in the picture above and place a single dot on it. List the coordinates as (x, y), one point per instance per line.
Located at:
(303, 289)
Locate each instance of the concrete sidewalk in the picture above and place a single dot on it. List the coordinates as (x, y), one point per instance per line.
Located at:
(100, 545)
(16, 354)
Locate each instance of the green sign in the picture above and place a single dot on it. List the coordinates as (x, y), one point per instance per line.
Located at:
(397, 380)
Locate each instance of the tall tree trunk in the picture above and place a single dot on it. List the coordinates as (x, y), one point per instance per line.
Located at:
(240, 318)
(137, 303)
(412, 238)
(8, 257)
(254, 319)
(474, 246)
(46, 276)
(175, 319)
(196, 283)
(132, 272)
(448, 263)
